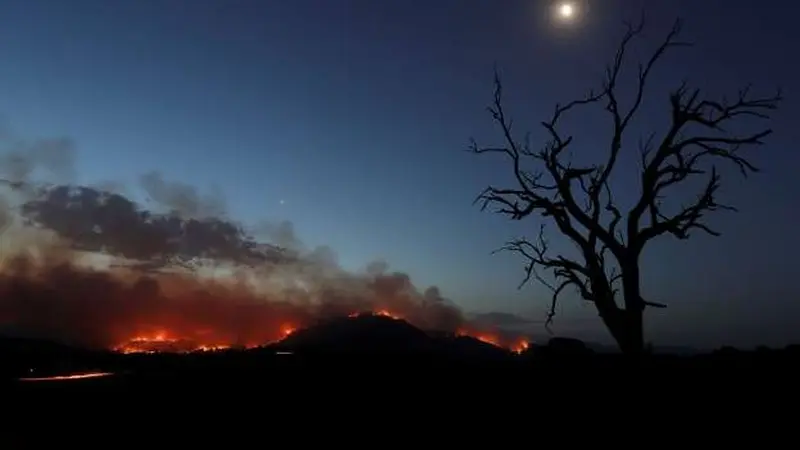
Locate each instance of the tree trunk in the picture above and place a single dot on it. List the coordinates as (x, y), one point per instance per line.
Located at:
(633, 315)
(625, 323)
(626, 326)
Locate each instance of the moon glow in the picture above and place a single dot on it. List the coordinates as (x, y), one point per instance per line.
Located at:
(566, 10)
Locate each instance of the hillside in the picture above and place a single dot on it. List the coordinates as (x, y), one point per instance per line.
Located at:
(368, 344)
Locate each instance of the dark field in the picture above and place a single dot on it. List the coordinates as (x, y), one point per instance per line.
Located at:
(365, 352)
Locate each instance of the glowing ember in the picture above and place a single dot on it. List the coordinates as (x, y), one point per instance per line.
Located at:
(386, 313)
(520, 346)
(380, 312)
(212, 348)
(81, 376)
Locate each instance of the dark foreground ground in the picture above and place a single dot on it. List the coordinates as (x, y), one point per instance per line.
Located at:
(267, 370)
(253, 394)
(378, 383)
(376, 357)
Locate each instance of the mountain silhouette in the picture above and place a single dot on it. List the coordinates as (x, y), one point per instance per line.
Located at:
(364, 334)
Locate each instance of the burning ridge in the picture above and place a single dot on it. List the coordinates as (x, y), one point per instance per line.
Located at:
(155, 298)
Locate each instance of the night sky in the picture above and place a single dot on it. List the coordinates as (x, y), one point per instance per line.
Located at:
(350, 119)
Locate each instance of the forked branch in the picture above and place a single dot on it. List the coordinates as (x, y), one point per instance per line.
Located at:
(683, 154)
(567, 272)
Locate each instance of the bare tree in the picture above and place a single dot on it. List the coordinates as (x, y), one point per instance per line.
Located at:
(578, 199)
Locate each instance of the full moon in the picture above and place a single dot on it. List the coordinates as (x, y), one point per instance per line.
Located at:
(566, 10)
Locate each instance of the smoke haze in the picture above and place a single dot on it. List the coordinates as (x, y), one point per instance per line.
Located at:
(180, 268)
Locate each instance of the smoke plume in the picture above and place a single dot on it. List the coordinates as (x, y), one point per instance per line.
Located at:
(180, 271)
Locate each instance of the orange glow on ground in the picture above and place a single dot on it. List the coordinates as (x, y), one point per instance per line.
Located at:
(81, 376)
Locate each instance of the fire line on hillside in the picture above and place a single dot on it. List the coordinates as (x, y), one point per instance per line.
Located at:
(164, 342)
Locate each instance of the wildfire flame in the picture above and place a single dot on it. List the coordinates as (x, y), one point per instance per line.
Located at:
(380, 312)
(520, 346)
(386, 313)
(163, 341)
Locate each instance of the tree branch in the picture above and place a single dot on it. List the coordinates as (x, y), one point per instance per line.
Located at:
(569, 272)
(679, 158)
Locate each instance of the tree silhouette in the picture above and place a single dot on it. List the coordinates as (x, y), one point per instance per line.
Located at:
(578, 198)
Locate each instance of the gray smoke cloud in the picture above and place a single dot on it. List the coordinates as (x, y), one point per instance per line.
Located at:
(20, 160)
(182, 199)
(281, 233)
(272, 277)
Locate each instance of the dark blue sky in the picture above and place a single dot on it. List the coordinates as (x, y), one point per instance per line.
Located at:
(356, 112)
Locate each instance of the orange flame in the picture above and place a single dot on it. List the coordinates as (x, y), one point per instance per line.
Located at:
(520, 346)
(147, 343)
(380, 312)
(162, 341)
(386, 313)
(488, 339)
(212, 348)
(287, 330)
